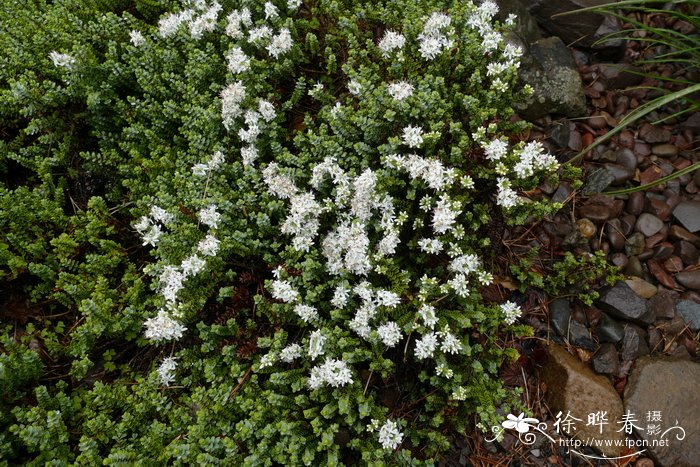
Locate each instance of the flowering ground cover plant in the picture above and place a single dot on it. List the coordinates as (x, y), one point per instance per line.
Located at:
(286, 221)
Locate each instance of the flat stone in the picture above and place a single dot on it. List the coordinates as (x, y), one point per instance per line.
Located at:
(619, 259)
(641, 287)
(634, 267)
(634, 342)
(550, 70)
(688, 214)
(679, 233)
(654, 134)
(673, 264)
(609, 330)
(620, 173)
(598, 181)
(619, 76)
(661, 275)
(648, 224)
(626, 158)
(687, 252)
(689, 279)
(663, 251)
(606, 359)
(568, 328)
(614, 230)
(663, 304)
(623, 302)
(690, 311)
(572, 387)
(635, 244)
(635, 203)
(563, 192)
(664, 150)
(668, 388)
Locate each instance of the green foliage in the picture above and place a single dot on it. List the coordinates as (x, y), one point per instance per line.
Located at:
(91, 145)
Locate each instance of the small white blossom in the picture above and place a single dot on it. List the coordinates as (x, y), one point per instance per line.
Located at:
(143, 224)
(387, 298)
(465, 264)
(209, 216)
(510, 311)
(389, 333)
(238, 61)
(506, 196)
(281, 43)
(354, 87)
(163, 327)
(152, 236)
(444, 370)
(427, 314)
(259, 33)
(400, 90)
(496, 149)
(268, 360)
(168, 25)
(432, 246)
(389, 435)
(293, 4)
(267, 110)
(161, 215)
(426, 345)
(413, 136)
(166, 371)
(460, 284)
(316, 342)
(444, 215)
(249, 154)
(332, 372)
(236, 19)
(192, 265)
(318, 87)
(340, 296)
(171, 282)
(271, 11)
(231, 98)
(291, 353)
(209, 245)
(136, 38)
(450, 344)
(279, 185)
(306, 313)
(283, 290)
(391, 41)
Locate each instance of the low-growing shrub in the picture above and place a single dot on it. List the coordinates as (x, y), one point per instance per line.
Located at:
(259, 231)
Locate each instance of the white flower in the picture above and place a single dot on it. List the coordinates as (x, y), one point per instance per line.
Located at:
(166, 370)
(137, 38)
(425, 346)
(161, 215)
(444, 215)
(192, 265)
(169, 25)
(200, 170)
(436, 23)
(249, 154)
(427, 314)
(484, 278)
(400, 90)
(389, 333)
(261, 32)
(62, 60)
(432, 246)
(387, 245)
(268, 360)
(291, 353)
(206, 21)
(534, 158)
(412, 136)
(316, 342)
(271, 11)
(430, 47)
(302, 222)
(391, 41)
(267, 110)
(465, 264)
(293, 4)
(387, 298)
(496, 149)
(163, 327)
(460, 285)
(433, 39)
(506, 196)
(340, 296)
(231, 98)
(389, 435)
(152, 236)
(209, 245)
(332, 372)
(236, 19)
(238, 61)
(491, 41)
(279, 185)
(444, 370)
(306, 313)
(450, 344)
(209, 216)
(171, 282)
(510, 311)
(143, 224)
(281, 43)
(318, 87)
(283, 290)
(354, 87)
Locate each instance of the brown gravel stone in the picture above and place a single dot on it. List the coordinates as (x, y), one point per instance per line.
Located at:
(689, 279)
(661, 275)
(626, 139)
(664, 303)
(650, 175)
(673, 264)
(679, 233)
(635, 203)
(664, 150)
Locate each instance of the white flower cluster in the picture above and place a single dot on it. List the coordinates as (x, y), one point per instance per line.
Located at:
(432, 171)
(413, 136)
(332, 372)
(400, 90)
(389, 435)
(166, 371)
(163, 327)
(482, 20)
(391, 42)
(199, 19)
(510, 311)
(62, 60)
(136, 38)
(150, 228)
(434, 38)
(506, 196)
(533, 158)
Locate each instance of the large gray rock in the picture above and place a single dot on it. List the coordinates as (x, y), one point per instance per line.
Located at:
(690, 311)
(623, 302)
(550, 69)
(580, 29)
(666, 389)
(688, 214)
(572, 387)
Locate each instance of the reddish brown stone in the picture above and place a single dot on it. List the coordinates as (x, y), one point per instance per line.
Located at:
(661, 275)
